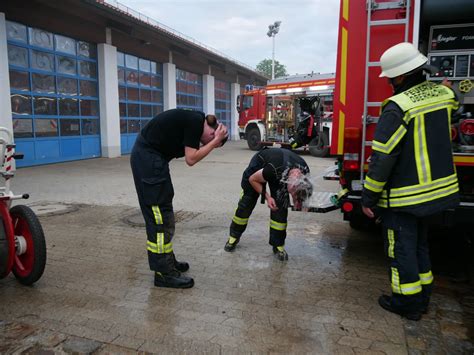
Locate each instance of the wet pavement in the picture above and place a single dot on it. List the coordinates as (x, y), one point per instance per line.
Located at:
(97, 294)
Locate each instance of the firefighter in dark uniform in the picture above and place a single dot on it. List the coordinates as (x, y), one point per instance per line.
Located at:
(171, 134)
(286, 173)
(411, 174)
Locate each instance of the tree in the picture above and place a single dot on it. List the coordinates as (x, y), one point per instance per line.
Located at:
(265, 67)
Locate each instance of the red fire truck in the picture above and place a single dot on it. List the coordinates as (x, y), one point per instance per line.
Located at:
(444, 30)
(291, 112)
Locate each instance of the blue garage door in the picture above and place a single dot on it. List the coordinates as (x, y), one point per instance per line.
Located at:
(188, 90)
(222, 103)
(55, 105)
(140, 95)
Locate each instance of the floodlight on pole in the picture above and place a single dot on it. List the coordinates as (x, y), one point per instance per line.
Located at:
(272, 31)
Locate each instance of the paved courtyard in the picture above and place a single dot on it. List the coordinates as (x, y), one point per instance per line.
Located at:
(97, 294)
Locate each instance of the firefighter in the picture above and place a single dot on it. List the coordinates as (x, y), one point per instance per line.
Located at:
(411, 174)
(286, 173)
(171, 134)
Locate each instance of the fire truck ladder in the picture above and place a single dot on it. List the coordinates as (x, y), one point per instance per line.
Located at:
(372, 6)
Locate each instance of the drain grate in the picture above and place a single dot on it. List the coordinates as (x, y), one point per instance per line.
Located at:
(135, 218)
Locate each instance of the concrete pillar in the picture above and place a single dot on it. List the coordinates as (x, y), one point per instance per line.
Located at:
(234, 115)
(109, 101)
(209, 103)
(5, 103)
(169, 86)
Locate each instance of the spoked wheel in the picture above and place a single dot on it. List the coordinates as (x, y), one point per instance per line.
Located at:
(30, 257)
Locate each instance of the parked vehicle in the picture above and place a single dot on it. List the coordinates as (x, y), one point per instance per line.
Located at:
(444, 30)
(290, 112)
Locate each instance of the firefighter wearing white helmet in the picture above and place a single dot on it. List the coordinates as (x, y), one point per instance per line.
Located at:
(411, 174)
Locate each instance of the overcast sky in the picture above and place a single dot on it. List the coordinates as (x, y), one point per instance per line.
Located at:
(307, 40)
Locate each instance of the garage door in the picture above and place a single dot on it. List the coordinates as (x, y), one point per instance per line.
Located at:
(54, 96)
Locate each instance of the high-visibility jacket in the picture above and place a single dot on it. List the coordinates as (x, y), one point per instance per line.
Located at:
(411, 167)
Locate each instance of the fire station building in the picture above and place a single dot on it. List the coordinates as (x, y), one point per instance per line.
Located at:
(79, 79)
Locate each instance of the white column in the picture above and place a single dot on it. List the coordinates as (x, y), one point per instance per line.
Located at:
(109, 101)
(169, 86)
(5, 103)
(209, 103)
(234, 115)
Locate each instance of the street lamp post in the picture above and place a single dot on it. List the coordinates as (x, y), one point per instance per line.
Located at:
(272, 31)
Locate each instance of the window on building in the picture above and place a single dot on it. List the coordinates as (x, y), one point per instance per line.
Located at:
(189, 90)
(140, 91)
(222, 102)
(53, 84)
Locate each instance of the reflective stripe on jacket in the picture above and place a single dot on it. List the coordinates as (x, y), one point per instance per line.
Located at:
(411, 163)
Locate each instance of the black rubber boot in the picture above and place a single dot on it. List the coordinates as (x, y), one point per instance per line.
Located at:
(181, 266)
(385, 303)
(173, 279)
(231, 244)
(280, 253)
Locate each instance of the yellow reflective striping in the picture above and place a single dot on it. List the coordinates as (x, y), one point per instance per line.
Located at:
(411, 288)
(426, 278)
(240, 221)
(342, 83)
(391, 143)
(232, 240)
(157, 214)
(395, 281)
(431, 107)
(152, 247)
(404, 289)
(421, 198)
(373, 185)
(391, 243)
(168, 248)
(340, 133)
(424, 151)
(417, 145)
(160, 241)
(345, 10)
(277, 225)
(419, 188)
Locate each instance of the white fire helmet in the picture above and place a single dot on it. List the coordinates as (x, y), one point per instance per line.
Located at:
(400, 59)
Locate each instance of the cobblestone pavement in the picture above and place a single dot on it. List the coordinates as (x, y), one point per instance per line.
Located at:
(97, 294)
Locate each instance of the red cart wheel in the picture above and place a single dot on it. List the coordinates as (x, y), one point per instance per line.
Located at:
(4, 252)
(30, 257)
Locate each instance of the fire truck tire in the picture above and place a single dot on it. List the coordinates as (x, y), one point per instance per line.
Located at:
(4, 249)
(33, 260)
(319, 147)
(254, 139)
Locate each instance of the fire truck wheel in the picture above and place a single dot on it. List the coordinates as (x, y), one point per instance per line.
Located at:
(319, 147)
(254, 139)
(29, 265)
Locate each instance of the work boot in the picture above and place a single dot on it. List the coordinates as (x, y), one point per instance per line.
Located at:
(280, 253)
(173, 279)
(181, 266)
(385, 303)
(231, 244)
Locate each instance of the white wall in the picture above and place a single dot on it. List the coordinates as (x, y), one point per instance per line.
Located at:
(5, 103)
(109, 101)
(169, 86)
(209, 103)
(234, 115)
